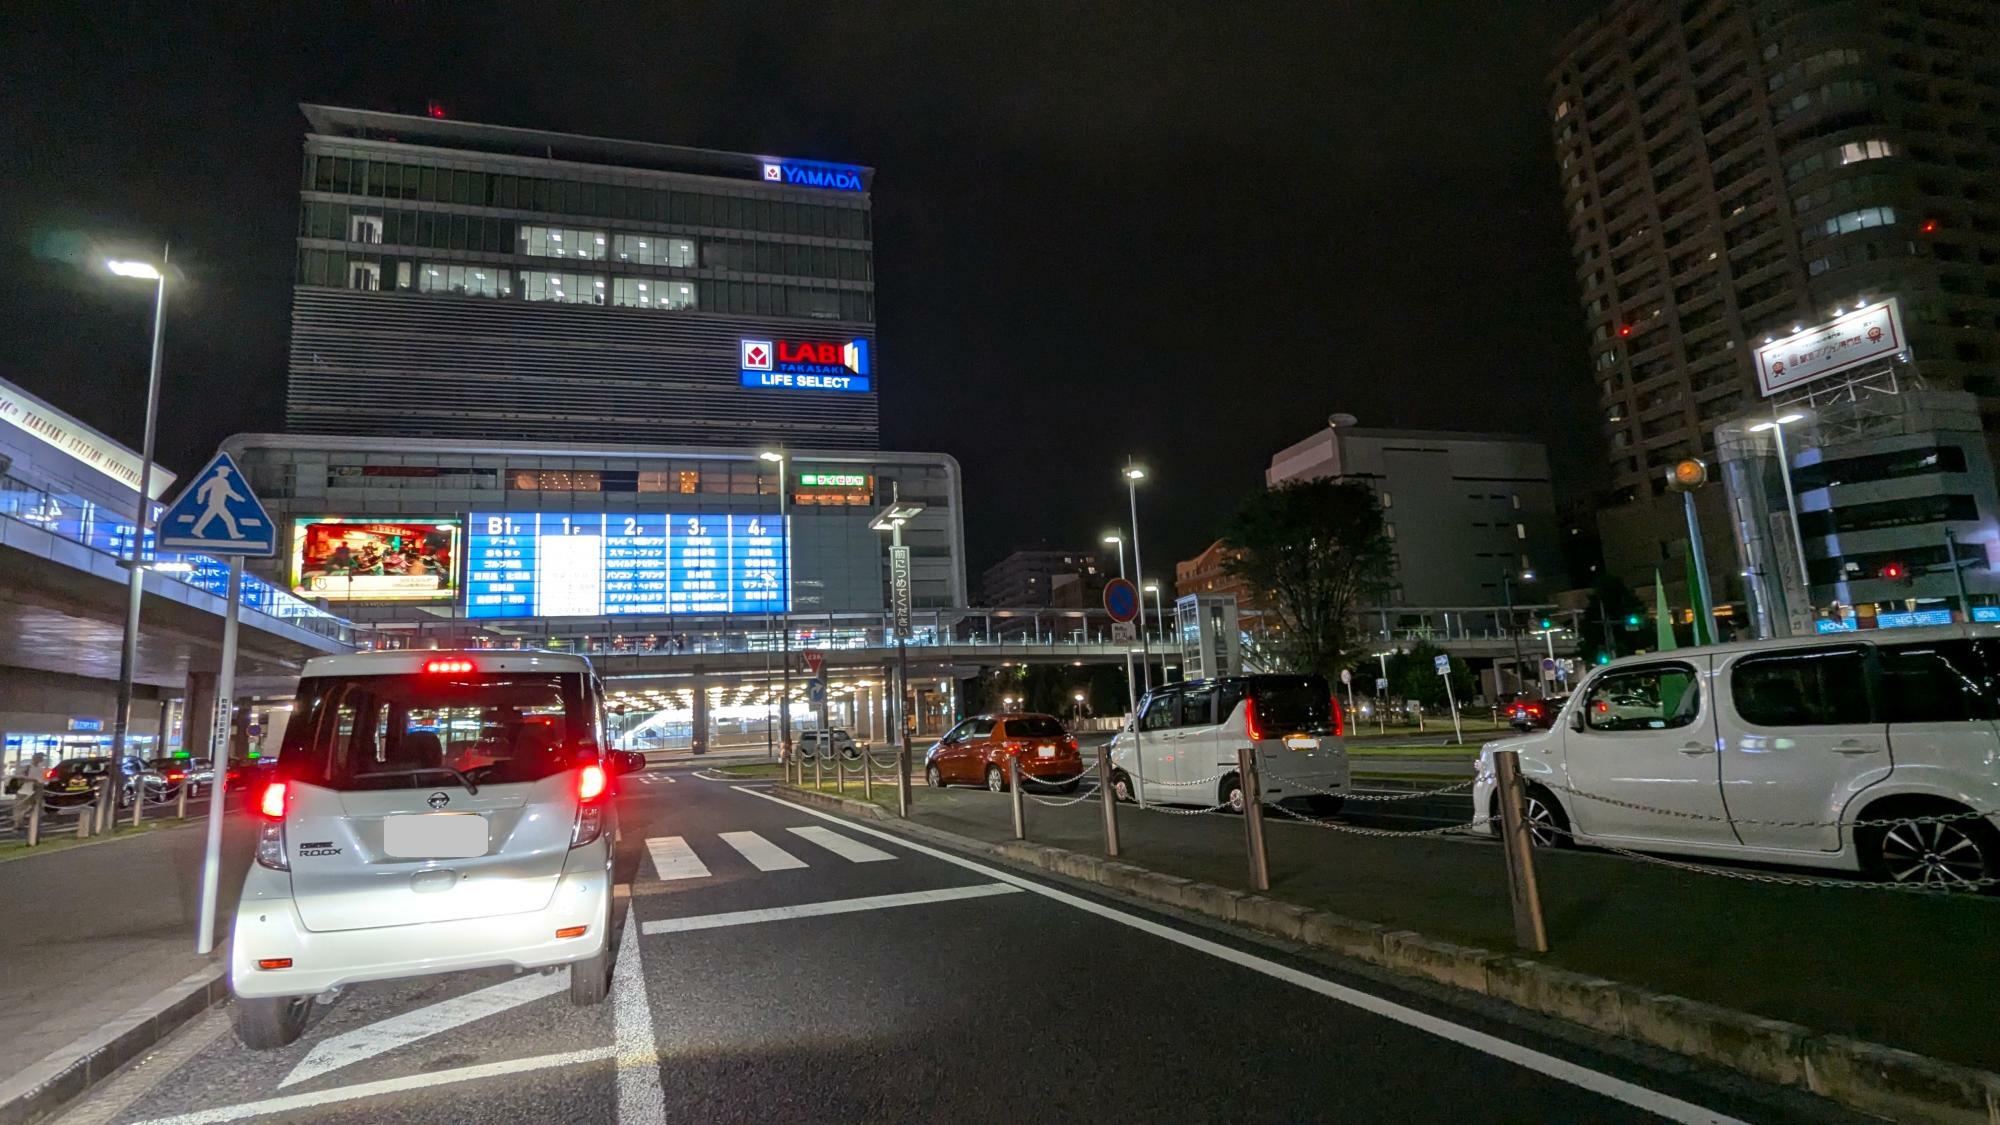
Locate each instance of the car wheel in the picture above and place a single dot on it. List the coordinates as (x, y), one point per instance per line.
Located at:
(265, 1023)
(1121, 786)
(1231, 794)
(1326, 806)
(1548, 824)
(590, 979)
(1946, 855)
(1070, 786)
(933, 777)
(996, 782)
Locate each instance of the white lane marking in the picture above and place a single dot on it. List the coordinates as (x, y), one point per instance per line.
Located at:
(819, 909)
(1597, 1082)
(314, 1099)
(641, 1100)
(398, 1031)
(673, 859)
(112, 1100)
(842, 846)
(765, 854)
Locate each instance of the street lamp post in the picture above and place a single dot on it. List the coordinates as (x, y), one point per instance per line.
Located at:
(1507, 592)
(1119, 542)
(891, 519)
(1160, 620)
(1133, 475)
(777, 457)
(1777, 427)
(136, 575)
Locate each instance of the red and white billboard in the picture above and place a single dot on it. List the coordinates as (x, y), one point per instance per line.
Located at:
(1869, 334)
(364, 560)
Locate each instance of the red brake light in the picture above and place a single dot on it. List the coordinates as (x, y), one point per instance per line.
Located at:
(49, 776)
(272, 803)
(175, 776)
(1250, 726)
(445, 666)
(590, 784)
(1339, 720)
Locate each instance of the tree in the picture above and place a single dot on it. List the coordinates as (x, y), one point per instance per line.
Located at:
(1413, 675)
(1312, 551)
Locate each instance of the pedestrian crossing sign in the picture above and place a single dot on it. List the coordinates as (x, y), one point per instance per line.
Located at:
(217, 514)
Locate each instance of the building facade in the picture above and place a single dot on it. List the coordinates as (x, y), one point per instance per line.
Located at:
(1208, 573)
(538, 539)
(1465, 513)
(1026, 578)
(1733, 169)
(480, 283)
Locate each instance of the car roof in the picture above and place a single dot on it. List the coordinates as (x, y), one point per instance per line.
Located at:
(401, 661)
(1820, 640)
(998, 715)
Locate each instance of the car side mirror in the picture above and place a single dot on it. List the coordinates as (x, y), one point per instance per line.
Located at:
(1576, 719)
(627, 761)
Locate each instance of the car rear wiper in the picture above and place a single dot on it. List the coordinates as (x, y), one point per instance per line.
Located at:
(420, 771)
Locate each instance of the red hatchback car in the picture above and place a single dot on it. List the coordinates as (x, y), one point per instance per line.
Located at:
(975, 752)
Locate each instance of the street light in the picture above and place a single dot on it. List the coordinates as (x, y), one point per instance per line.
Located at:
(1119, 541)
(1133, 475)
(1507, 592)
(777, 457)
(1160, 617)
(891, 519)
(136, 577)
(1777, 427)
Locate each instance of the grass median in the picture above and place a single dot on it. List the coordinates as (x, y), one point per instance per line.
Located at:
(59, 834)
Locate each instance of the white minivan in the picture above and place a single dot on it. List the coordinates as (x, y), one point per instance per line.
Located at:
(1184, 751)
(1771, 750)
(431, 812)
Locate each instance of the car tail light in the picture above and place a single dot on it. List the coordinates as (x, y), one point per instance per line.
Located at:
(447, 666)
(49, 776)
(1339, 720)
(590, 783)
(274, 963)
(176, 775)
(1250, 719)
(271, 845)
(273, 801)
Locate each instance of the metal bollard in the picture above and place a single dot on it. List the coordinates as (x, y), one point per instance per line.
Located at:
(819, 780)
(1107, 799)
(35, 817)
(181, 801)
(84, 817)
(1522, 891)
(840, 775)
(903, 778)
(867, 776)
(1014, 788)
(103, 813)
(138, 799)
(1253, 817)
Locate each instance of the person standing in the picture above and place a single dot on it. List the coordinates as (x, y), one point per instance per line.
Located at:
(24, 783)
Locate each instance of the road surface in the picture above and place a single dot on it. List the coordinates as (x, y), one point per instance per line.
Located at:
(782, 964)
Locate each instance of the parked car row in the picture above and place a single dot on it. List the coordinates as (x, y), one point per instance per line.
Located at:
(75, 780)
(1877, 753)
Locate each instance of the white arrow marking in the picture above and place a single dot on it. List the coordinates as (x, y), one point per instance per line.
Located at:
(641, 1100)
(399, 1031)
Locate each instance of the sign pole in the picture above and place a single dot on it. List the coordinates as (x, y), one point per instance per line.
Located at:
(1450, 698)
(218, 752)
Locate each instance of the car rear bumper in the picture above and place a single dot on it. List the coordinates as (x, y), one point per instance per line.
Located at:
(1057, 769)
(268, 926)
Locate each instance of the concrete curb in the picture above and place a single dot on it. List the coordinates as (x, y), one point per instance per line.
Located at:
(64, 1074)
(1900, 1085)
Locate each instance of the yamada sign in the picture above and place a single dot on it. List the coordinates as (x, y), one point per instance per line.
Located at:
(805, 365)
(1869, 334)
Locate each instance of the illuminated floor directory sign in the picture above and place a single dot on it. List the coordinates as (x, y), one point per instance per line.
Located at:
(608, 564)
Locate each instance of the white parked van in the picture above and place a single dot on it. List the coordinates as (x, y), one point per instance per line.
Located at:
(1769, 750)
(431, 812)
(1185, 750)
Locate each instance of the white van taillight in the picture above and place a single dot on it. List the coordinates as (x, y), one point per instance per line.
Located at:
(1250, 726)
(436, 667)
(271, 804)
(1339, 721)
(591, 785)
(271, 845)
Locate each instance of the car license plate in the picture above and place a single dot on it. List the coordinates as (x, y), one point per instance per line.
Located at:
(1302, 742)
(1045, 751)
(434, 836)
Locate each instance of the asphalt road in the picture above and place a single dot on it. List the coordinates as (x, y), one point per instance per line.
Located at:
(938, 989)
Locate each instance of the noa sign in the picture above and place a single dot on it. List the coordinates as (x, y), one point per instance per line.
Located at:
(1869, 334)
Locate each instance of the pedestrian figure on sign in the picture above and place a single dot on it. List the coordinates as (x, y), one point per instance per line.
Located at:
(215, 494)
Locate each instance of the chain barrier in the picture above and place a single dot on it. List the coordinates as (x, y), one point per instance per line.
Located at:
(1354, 796)
(1476, 822)
(1061, 802)
(1190, 784)
(1165, 811)
(1037, 779)
(1681, 814)
(1958, 886)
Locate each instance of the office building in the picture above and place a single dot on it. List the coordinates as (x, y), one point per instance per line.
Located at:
(1208, 573)
(479, 283)
(1732, 169)
(1026, 577)
(1465, 513)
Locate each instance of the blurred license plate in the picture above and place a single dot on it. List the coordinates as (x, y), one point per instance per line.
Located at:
(435, 836)
(1302, 742)
(76, 786)
(1045, 751)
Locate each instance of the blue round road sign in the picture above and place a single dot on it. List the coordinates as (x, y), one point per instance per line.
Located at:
(1121, 599)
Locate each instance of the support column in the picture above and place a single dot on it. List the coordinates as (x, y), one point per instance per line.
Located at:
(699, 731)
(198, 714)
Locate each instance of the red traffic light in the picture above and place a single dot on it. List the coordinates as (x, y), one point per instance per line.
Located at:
(1894, 571)
(1624, 330)
(1929, 227)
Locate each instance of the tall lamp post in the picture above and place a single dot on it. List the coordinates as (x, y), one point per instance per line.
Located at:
(1777, 428)
(136, 574)
(777, 457)
(891, 519)
(1507, 592)
(1160, 620)
(1133, 475)
(1118, 541)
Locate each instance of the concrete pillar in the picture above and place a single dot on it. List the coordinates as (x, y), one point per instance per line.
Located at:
(160, 732)
(198, 714)
(700, 726)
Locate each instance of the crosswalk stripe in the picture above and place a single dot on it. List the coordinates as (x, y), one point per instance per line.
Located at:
(673, 859)
(841, 846)
(766, 855)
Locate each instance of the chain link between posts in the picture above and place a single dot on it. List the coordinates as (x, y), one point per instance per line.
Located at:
(1356, 830)
(1682, 814)
(1353, 796)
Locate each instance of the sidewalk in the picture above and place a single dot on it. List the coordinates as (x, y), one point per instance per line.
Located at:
(94, 930)
(1904, 970)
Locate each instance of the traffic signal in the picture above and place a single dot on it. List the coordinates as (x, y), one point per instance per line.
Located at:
(1547, 624)
(1604, 658)
(1894, 571)
(1632, 620)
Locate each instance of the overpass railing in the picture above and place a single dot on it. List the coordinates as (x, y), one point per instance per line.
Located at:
(105, 532)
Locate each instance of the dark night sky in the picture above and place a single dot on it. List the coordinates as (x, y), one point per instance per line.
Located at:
(1183, 232)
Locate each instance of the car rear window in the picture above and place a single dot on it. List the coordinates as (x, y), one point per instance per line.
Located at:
(1293, 703)
(414, 730)
(1034, 726)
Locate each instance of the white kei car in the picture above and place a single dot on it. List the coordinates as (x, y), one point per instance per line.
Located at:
(431, 812)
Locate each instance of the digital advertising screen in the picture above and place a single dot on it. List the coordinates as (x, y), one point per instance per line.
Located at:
(362, 560)
(610, 564)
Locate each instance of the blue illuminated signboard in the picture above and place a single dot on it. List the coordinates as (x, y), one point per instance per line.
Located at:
(608, 564)
(1913, 618)
(805, 365)
(1986, 613)
(1834, 625)
(813, 174)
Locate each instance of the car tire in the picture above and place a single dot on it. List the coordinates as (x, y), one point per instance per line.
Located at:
(265, 1023)
(1121, 786)
(1937, 855)
(996, 782)
(1230, 794)
(1326, 806)
(590, 979)
(933, 777)
(1070, 786)
(1548, 822)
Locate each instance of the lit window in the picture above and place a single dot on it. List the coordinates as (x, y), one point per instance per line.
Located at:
(1851, 221)
(653, 250)
(562, 242)
(564, 288)
(687, 481)
(1856, 151)
(1520, 531)
(464, 280)
(364, 228)
(653, 293)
